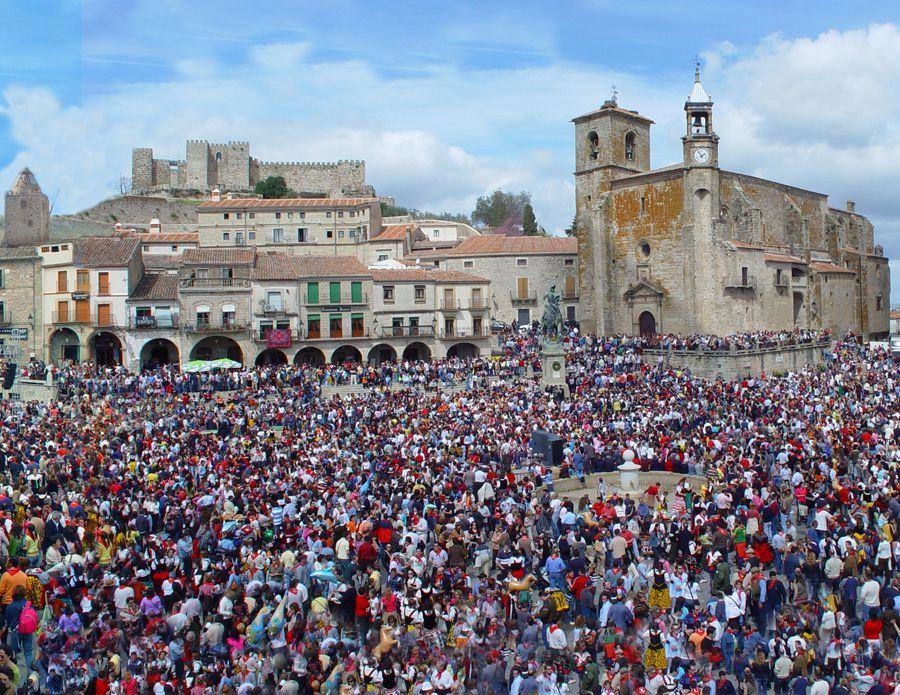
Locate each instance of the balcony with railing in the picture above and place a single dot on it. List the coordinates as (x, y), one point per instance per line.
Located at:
(523, 297)
(451, 305)
(215, 326)
(276, 309)
(745, 282)
(477, 304)
(406, 332)
(214, 283)
(325, 334)
(469, 333)
(71, 318)
(345, 299)
(570, 294)
(259, 335)
(149, 323)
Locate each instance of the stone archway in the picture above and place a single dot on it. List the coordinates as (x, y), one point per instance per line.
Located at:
(464, 351)
(65, 345)
(382, 353)
(346, 353)
(216, 347)
(158, 352)
(416, 352)
(310, 356)
(271, 356)
(107, 349)
(646, 323)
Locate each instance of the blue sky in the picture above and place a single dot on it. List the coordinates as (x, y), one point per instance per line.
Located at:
(446, 101)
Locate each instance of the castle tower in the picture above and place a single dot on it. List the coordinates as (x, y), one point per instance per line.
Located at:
(610, 143)
(26, 213)
(701, 144)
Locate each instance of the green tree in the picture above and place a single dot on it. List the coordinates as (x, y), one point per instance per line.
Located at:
(501, 209)
(274, 187)
(572, 228)
(529, 223)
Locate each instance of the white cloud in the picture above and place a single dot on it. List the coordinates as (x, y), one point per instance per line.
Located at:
(816, 112)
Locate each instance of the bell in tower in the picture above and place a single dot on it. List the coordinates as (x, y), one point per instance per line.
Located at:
(700, 141)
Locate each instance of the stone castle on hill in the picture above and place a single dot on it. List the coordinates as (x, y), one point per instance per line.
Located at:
(229, 167)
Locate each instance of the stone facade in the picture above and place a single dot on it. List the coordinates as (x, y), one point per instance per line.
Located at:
(26, 213)
(229, 167)
(692, 248)
(20, 295)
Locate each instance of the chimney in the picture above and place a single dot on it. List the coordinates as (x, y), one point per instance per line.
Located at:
(216, 195)
(851, 206)
(155, 226)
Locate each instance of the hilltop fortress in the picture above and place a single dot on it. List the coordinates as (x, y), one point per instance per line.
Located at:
(229, 167)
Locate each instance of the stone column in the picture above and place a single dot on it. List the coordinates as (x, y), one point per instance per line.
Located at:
(628, 472)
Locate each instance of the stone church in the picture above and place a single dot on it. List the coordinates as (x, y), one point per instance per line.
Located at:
(693, 248)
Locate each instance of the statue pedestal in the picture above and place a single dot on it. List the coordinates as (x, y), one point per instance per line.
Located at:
(553, 364)
(628, 477)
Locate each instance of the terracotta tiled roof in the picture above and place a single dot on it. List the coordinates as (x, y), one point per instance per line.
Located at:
(276, 203)
(281, 266)
(104, 252)
(895, 314)
(156, 287)
(217, 256)
(395, 232)
(495, 245)
(425, 275)
(17, 253)
(783, 258)
(168, 237)
(161, 261)
(821, 267)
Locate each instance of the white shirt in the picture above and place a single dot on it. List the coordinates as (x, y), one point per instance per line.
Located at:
(869, 594)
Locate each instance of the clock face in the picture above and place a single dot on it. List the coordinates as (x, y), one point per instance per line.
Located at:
(701, 156)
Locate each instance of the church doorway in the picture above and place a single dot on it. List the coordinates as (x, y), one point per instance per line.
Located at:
(646, 323)
(798, 307)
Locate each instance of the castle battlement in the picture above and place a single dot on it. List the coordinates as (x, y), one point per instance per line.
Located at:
(229, 167)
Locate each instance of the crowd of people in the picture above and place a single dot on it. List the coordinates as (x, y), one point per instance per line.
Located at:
(248, 532)
(735, 341)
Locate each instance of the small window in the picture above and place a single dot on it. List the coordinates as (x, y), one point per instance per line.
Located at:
(218, 156)
(388, 291)
(521, 262)
(239, 215)
(239, 238)
(352, 233)
(879, 302)
(420, 293)
(328, 214)
(468, 264)
(146, 247)
(745, 276)
(302, 215)
(643, 204)
(329, 234)
(302, 235)
(174, 247)
(630, 147)
(278, 235)
(226, 215)
(252, 235)
(569, 261)
(225, 236)
(593, 145)
(436, 233)
(644, 249)
(252, 215)
(277, 215)
(382, 256)
(340, 213)
(340, 234)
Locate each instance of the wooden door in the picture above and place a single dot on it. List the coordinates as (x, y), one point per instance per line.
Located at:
(104, 315)
(62, 312)
(522, 286)
(103, 283)
(570, 286)
(448, 298)
(82, 310)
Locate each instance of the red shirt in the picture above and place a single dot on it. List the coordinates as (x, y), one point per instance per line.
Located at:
(362, 606)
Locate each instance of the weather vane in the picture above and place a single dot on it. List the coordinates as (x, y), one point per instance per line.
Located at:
(614, 93)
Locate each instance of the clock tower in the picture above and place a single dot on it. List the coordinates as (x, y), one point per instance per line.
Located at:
(701, 144)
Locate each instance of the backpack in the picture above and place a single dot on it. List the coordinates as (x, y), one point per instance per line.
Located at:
(28, 619)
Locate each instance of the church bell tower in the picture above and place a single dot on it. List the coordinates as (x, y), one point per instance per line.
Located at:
(701, 144)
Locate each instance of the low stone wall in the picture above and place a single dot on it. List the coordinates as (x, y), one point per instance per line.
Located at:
(31, 390)
(736, 364)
